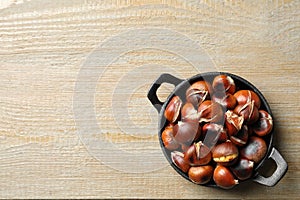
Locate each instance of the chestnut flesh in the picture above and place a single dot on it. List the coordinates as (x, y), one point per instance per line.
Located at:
(225, 153)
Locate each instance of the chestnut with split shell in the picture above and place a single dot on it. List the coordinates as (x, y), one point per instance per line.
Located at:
(225, 153)
(233, 122)
(224, 83)
(246, 96)
(178, 159)
(210, 112)
(213, 133)
(198, 92)
(198, 154)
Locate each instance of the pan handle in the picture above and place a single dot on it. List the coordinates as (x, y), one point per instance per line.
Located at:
(164, 78)
(279, 172)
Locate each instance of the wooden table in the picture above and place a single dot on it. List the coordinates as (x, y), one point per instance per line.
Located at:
(60, 140)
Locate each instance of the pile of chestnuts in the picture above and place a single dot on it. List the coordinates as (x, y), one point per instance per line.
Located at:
(216, 132)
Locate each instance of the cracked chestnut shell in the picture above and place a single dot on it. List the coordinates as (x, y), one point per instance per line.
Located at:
(225, 153)
(226, 100)
(210, 111)
(213, 133)
(178, 160)
(249, 111)
(224, 84)
(241, 138)
(245, 96)
(224, 178)
(201, 174)
(198, 92)
(233, 122)
(198, 154)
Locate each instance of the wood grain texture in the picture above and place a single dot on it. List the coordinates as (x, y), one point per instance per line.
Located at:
(43, 46)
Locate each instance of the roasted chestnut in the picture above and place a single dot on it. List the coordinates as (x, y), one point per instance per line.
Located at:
(245, 96)
(212, 134)
(186, 132)
(224, 178)
(233, 122)
(168, 139)
(225, 153)
(255, 149)
(241, 138)
(173, 109)
(243, 169)
(178, 160)
(201, 174)
(226, 100)
(224, 83)
(210, 112)
(198, 154)
(249, 111)
(264, 125)
(198, 92)
(189, 113)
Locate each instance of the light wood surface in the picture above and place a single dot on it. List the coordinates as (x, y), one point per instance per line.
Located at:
(45, 44)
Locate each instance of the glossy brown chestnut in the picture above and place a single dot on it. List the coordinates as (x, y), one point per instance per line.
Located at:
(233, 122)
(255, 149)
(245, 96)
(186, 132)
(264, 125)
(249, 111)
(241, 138)
(168, 139)
(198, 154)
(178, 160)
(210, 112)
(172, 110)
(226, 100)
(201, 174)
(225, 153)
(224, 83)
(213, 133)
(198, 92)
(224, 178)
(189, 113)
(243, 169)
